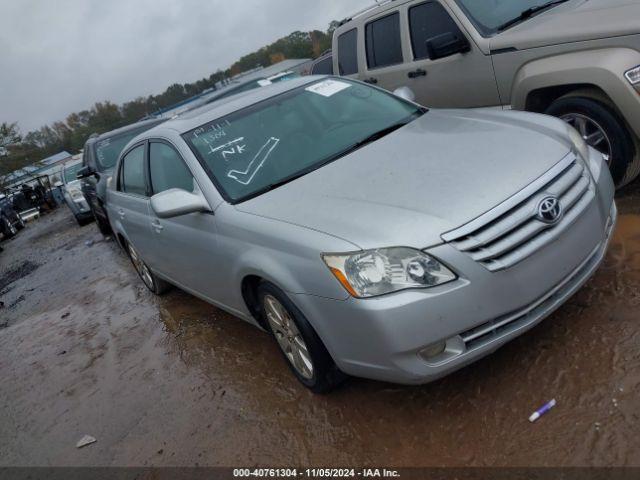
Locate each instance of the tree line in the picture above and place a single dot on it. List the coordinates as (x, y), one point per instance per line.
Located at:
(18, 150)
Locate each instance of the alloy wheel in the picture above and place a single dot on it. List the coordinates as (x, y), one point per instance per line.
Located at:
(288, 336)
(592, 132)
(141, 268)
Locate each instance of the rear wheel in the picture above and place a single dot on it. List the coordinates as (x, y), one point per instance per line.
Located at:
(603, 129)
(151, 280)
(103, 225)
(303, 350)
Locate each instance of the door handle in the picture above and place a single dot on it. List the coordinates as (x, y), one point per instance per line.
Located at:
(157, 227)
(417, 73)
(121, 213)
(371, 80)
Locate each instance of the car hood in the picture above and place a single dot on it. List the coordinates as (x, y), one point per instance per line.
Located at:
(575, 21)
(431, 176)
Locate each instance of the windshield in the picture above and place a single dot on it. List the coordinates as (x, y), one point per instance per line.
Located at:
(71, 171)
(489, 15)
(108, 150)
(284, 137)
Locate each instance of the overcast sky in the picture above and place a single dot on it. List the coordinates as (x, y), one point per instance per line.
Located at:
(61, 56)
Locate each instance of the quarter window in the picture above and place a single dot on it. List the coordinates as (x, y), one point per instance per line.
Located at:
(384, 46)
(132, 180)
(348, 52)
(426, 21)
(167, 169)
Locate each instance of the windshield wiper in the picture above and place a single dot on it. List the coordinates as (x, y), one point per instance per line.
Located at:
(528, 13)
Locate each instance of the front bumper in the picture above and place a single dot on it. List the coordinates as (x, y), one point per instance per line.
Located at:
(381, 338)
(31, 214)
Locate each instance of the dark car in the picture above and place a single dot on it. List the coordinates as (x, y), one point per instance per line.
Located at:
(323, 65)
(10, 221)
(100, 155)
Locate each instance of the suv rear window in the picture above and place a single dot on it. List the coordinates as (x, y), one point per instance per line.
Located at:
(426, 21)
(348, 52)
(384, 46)
(323, 67)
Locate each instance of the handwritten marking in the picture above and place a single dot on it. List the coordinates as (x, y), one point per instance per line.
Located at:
(255, 164)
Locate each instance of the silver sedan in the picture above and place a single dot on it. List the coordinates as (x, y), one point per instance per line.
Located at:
(369, 235)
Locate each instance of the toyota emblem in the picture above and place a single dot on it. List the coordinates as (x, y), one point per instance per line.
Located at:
(549, 210)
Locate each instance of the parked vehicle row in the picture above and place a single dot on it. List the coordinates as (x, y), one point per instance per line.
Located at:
(369, 235)
(573, 59)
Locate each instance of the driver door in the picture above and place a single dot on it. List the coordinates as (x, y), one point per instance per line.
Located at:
(184, 248)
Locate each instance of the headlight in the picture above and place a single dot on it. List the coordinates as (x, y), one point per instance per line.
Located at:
(76, 194)
(633, 75)
(579, 143)
(385, 270)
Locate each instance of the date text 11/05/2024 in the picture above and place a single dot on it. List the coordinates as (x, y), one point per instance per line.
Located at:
(315, 473)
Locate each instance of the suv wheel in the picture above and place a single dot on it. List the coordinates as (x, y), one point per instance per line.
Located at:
(303, 350)
(151, 281)
(602, 129)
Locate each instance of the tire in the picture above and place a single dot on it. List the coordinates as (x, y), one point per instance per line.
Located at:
(292, 333)
(153, 283)
(8, 230)
(579, 111)
(104, 227)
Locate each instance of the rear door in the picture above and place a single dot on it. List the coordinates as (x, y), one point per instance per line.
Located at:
(184, 247)
(131, 200)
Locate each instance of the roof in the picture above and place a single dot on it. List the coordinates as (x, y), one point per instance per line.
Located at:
(55, 158)
(236, 82)
(221, 108)
(128, 128)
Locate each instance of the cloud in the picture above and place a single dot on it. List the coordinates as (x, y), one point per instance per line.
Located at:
(58, 57)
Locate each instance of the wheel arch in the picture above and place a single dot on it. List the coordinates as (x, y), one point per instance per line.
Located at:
(540, 82)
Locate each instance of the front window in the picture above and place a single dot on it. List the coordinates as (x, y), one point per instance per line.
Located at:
(109, 149)
(488, 17)
(70, 172)
(275, 141)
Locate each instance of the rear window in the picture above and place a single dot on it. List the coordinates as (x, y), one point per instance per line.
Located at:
(348, 52)
(425, 22)
(71, 171)
(323, 67)
(383, 42)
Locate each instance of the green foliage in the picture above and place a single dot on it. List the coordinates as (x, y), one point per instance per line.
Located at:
(17, 152)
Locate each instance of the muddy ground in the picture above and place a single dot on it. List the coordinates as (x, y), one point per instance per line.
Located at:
(85, 349)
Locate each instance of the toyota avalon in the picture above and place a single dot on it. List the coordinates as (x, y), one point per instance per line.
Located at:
(369, 235)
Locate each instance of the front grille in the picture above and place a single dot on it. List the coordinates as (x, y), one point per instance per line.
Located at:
(512, 232)
(489, 331)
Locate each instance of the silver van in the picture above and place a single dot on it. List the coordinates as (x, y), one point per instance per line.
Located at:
(575, 59)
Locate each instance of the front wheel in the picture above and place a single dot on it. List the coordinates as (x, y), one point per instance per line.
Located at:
(303, 350)
(602, 129)
(8, 229)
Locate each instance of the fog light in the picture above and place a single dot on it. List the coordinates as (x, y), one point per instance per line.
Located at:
(633, 75)
(433, 350)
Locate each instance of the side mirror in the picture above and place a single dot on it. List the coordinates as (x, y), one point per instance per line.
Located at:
(447, 44)
(85, 172)
(406, 93)
(175, 203)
